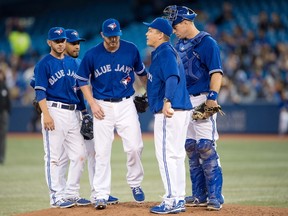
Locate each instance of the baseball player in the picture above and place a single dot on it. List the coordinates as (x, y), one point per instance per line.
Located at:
(73, 49)
(111, 65)
(55, 88)
(201, 58)
(169, 101)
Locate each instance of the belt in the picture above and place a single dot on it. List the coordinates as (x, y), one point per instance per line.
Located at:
(115, 100)
(64, 106)
(198, 94)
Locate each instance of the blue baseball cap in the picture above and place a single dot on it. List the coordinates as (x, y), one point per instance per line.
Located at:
(56, 33)
(72, 36)
(111, 28)
(162, 25)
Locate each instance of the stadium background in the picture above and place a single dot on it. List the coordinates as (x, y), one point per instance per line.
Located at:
(252, 36)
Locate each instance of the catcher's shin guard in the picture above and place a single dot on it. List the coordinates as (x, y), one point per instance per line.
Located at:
(212, 170)
(196, 172)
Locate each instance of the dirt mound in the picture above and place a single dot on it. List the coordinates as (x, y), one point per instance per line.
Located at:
(134, 209)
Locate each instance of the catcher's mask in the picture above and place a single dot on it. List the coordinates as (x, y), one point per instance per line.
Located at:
(177, 14)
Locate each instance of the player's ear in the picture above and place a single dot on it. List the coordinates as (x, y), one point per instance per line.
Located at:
(49, 43)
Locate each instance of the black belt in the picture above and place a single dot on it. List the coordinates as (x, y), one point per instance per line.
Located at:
(195, 95)
(115, 100)
(65, 106)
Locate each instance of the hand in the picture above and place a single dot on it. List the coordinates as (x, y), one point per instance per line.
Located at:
(167, 110)
(211, 103)
(48, 122)
(97, 110)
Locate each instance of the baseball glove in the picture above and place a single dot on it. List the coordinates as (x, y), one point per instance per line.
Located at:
(36, 106)
(141, 103)
(87, 127)
(202, 112)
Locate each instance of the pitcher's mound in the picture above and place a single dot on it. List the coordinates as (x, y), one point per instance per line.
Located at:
(134, 209)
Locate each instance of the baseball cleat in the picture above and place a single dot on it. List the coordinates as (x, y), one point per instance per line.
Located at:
(100, 204)
(180, 207)
(164, 208)
(112, 200)
(192, 201)
(81, 201)
(213, 205)
(138, 194)
(63, 204)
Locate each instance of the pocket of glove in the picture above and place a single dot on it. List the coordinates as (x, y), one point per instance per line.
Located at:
(203, 112)
(87, 127)
(141, 103)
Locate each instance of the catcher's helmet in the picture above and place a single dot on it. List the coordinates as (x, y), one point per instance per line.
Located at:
(177, 14)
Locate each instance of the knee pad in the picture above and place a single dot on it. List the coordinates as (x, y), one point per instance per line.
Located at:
(191, 151)
(190, 147)
(207, 149)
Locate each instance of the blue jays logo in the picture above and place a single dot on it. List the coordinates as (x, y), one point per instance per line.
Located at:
(75, 33)
(126, 80)
(58, 31)
(112, 26)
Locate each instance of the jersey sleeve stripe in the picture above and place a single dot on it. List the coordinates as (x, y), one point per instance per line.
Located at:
(40, 88)
(81, 78)
(215, 71)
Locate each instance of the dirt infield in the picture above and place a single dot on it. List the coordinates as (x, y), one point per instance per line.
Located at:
(134, 209)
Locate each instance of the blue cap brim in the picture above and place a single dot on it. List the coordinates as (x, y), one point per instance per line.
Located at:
(76, 39)
(113, 34)
(146, 23)
(58, 38)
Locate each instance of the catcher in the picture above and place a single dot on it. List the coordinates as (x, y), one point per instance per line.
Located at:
(200, 55)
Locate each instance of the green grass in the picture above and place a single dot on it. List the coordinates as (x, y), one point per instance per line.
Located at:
(255, 173)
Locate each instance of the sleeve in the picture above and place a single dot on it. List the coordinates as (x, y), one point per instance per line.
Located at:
(169, 64)
(170, 87)
(212, 58)
(40, 94)
(32, 81)
(139, 66)
(84, 70)
(41, 74)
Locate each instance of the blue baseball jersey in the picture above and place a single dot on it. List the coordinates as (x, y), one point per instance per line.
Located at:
(112, 73)
(201, 58)
(56, 78)
(32, 81)
(165, 63)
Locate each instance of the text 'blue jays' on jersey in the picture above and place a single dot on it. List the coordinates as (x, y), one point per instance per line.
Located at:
(112, 73)
(165, 63)
(56, 78)
(201, 58)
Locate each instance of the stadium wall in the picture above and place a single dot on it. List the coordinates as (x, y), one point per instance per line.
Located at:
(256, 118)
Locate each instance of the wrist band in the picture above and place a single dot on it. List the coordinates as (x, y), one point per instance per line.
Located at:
(212, 95)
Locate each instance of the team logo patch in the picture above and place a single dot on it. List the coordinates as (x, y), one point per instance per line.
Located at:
(126, 80)
(75, 33)
(112, 26)
(58, 31)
